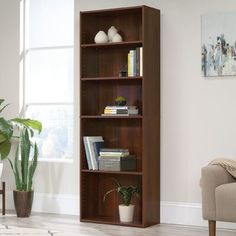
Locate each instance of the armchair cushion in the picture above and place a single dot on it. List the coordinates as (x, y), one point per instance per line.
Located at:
(226, 202)
(212, 177)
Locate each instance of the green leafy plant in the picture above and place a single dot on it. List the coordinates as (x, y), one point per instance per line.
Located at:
(126, 192)
(22, 167)
(120, 101)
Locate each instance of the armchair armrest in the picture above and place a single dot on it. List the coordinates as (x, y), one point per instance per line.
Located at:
(212, 177)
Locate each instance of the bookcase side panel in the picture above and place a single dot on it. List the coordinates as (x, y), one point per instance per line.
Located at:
(151, 114)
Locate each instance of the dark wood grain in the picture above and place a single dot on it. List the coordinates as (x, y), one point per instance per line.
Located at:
(3, 193)
(151, 114)
(212, 228)
(127, 21)
(112, 45)
(100, 65)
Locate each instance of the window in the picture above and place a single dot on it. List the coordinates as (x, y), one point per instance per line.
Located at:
(47, 73)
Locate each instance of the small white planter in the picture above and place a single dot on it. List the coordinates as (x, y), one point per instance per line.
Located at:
(1, 167)
(126, 213)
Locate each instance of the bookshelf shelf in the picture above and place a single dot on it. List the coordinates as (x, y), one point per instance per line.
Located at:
(134, 78)
(112, 117)
(113, 45)
(112, 172)
(100, 84)
(111, 220)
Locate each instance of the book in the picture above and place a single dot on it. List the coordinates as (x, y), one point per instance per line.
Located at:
(128, 64)
(134, 63)
(87, 153)
(141, 61)
(137, 61)
(120, 107)
(113, 152)
(131, 52)
(121, 111)
(97, 146)
(92, 158)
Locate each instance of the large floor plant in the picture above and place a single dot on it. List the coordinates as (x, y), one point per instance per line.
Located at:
(23, 166)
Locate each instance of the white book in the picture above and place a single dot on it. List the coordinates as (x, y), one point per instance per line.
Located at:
(141, 61)
(87, 153)
(132, 58)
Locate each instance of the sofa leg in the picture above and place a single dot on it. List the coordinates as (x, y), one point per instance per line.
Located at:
(212, 228)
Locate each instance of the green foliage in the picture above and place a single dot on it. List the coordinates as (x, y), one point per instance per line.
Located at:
(7, 128)
(120, 99)
(23, 168)
(126, 192)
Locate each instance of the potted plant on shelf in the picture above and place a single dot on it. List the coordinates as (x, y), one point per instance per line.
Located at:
(23, 167)
(126, 210)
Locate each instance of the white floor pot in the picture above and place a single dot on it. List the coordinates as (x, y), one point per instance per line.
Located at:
(126, 213)
(1, 167)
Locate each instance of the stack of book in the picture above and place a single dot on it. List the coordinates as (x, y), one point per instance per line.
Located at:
(120, 111)
(92, 145)
(135, 62)
(112, 159)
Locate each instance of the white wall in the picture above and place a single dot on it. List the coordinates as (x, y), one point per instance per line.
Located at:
(197, 115)
(56, 184)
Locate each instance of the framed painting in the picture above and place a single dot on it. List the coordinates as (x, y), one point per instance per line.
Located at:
(218, 47)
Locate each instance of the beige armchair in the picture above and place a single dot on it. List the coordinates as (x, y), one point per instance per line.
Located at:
(218, 196)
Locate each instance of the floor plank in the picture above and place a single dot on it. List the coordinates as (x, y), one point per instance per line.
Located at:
(71, 224)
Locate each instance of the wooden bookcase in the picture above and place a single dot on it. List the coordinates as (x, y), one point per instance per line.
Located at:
(100, 84)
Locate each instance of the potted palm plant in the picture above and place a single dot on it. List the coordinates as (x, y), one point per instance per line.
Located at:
(23, 167)
(126, 210)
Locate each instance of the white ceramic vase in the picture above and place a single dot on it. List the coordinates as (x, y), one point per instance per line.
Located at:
(126, 213)
(117, 38)
(1, 167)
(111, 33)
(101, 37)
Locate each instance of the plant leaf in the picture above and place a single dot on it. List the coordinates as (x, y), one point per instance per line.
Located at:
(1, 101)
(6, 129)
(33, 167)
(5, 148)
(28, 123)
(4, 107)
(25, 153)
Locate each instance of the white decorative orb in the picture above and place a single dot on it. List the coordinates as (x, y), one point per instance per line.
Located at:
(117, 38)
(101, 37)
(111, 33)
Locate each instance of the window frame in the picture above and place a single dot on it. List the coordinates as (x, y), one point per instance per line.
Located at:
(24, 52)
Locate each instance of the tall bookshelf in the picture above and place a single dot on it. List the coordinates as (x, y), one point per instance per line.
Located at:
(100, 85)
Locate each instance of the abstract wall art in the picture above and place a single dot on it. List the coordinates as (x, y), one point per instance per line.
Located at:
(218, 48)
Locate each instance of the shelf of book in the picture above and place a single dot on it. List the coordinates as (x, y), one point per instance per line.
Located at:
(112, 117)
(130, 78)
(112, 172)
(112, 45)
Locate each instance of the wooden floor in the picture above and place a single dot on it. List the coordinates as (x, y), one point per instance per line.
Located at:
(71, 224)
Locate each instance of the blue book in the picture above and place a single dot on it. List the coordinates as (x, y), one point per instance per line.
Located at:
(97, 146)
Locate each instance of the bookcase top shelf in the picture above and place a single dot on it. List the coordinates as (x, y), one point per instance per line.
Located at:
(112, 172)
(137, 43)
(114, 78)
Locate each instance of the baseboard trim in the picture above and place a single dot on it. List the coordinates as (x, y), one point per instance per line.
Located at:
(67, 204)
(187, 214)
(181, 213)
